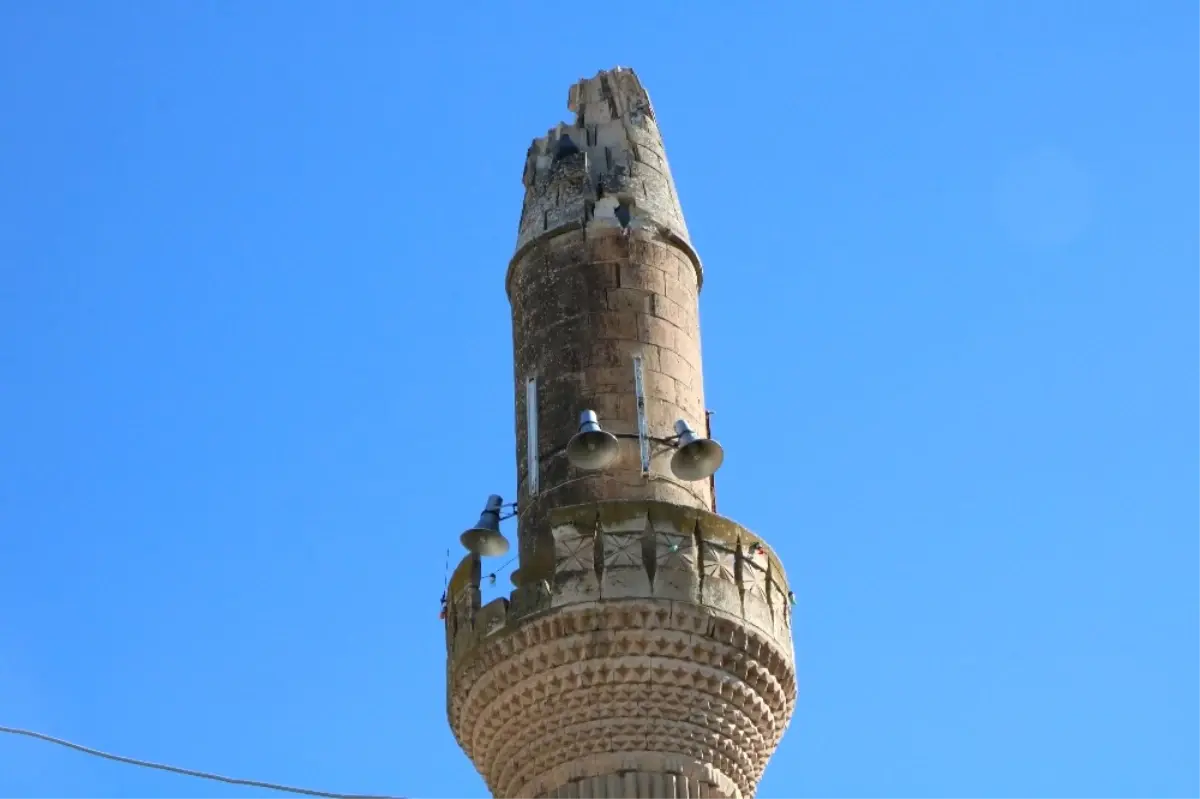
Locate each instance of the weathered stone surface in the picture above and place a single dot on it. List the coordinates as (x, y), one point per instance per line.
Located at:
(591, 290)
(676, 642)
(676, 560)
(577, 331)
(575, 578)
(646, 650)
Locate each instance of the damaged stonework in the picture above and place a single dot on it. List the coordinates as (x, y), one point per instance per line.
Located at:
(608, 170)
(613, 550)
(646, 649)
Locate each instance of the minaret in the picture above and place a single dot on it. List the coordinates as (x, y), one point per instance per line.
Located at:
(646, 650)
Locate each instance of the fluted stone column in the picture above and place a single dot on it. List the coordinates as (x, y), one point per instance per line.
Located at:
(646, 650)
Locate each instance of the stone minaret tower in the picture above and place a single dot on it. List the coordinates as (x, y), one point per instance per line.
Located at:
(646, 650)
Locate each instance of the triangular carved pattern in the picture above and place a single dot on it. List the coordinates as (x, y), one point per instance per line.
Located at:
(523, 729)
(539, 693)
(617, 618)
(685, 620)
(537, 686)
(713, 682)
(622, 550)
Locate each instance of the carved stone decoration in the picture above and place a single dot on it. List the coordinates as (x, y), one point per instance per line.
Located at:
(555, 699)
(719, 562)
(573, 550)
(675, 551)
(528, 600)
(676, 575)
(719, 586)
(624, 570)
(781, 624)
(622, 551)
(575, 564)
(629, 695)
(492, 616)
(755, 604)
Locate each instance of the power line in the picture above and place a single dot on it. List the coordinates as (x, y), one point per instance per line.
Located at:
(204, 775)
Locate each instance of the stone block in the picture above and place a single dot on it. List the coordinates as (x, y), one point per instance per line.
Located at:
(640, 276)
(609, 379)
(528, 599)
(574, 565)
(632, 300)
(718, 582)
(611, 408)
(617, 325)
(661, 416)
(647, 251)
(674, 364)
(623, 573)
(755, 605)
(610, 247)
(492, 617)
(671, 311)
(687, 346)
(619, 354)
(781, 621)
(659, 385)
(676, 568)
(464, 640)
(690, 400)
(652, 330)
(684, 297)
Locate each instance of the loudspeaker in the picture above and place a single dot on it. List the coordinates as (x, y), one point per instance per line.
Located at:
(695, 458)
(485, 538)
(591, 448)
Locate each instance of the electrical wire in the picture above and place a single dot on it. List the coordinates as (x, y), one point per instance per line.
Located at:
(187, 772)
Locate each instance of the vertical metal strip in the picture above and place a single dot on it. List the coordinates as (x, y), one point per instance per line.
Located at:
(712, 478)
(640, 392)
(531, 436)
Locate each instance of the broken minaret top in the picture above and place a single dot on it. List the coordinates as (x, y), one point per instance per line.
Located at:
(607, 170)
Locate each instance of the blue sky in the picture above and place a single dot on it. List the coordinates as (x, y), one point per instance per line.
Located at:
(254, 349)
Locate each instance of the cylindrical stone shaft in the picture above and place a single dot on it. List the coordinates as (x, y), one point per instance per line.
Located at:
(603, 274)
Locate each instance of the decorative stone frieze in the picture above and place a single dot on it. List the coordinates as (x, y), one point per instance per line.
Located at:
(655, 632)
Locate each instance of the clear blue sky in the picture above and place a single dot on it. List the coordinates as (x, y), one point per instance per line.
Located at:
(255, 374)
